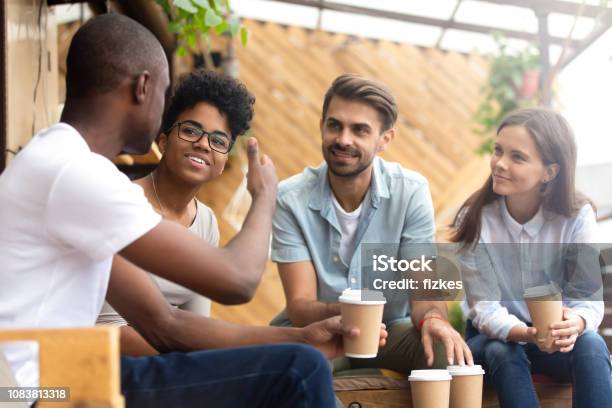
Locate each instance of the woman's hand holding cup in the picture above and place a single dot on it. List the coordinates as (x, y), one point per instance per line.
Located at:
(566, 332)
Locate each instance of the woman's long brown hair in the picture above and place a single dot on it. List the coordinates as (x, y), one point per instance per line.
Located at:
(555, 142)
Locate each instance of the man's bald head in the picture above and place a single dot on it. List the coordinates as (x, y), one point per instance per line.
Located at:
(108, 49)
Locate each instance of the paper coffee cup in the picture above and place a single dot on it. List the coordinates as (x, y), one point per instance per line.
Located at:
(430, 388)
(545, 307)
(466, 386)
(364, 310)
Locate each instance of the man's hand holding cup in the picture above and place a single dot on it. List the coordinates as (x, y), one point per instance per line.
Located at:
(328, 335)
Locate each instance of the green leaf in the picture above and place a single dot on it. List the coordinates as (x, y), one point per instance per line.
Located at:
(191, 39)
(486, 147)
(216, 4)
(199, 23)
(201, 27)
(212, 19)
(244, 36)
(174, 27)
(234, 28)
(185, 5)
(181, 51)
(183, 15)
(202, 3)
(223, 27)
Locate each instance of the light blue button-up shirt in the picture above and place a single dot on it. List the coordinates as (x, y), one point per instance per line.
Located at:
(397, 209)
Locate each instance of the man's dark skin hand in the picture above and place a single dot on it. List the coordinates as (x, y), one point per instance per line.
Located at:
(136, 297)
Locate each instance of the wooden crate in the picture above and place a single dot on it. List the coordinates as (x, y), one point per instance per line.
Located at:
(84, 360)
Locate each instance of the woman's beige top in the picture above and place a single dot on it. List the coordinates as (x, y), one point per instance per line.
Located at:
(205, 226)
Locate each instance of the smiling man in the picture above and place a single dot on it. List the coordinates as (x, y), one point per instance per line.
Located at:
(323, 215)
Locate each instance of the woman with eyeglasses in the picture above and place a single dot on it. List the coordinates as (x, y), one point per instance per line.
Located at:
(202, 121)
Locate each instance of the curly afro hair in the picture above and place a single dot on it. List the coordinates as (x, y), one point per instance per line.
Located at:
(227, 94)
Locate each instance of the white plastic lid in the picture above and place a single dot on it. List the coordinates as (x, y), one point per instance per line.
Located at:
(362, 297)
(429, 375)
(543, 290)
(456, 370)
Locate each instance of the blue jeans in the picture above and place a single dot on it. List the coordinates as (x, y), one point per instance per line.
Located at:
(509, 365)
(280, 375)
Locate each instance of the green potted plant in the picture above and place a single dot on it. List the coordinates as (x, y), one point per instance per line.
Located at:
(191, 21)
(512, 84)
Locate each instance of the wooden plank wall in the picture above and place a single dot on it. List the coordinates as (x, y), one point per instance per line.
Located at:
(289, 69)
(31, 79)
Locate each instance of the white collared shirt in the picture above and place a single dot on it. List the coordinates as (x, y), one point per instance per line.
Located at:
(537, 261)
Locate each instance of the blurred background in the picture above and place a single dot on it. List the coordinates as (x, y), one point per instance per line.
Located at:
(455, 67)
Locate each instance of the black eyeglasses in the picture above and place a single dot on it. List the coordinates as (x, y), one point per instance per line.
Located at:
(218, 141)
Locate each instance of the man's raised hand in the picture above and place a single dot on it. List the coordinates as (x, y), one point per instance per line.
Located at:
(261, 176)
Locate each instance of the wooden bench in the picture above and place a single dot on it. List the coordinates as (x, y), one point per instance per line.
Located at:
(394, 392)
(85, 360)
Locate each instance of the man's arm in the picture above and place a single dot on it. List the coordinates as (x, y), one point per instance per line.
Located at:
(133, 344)
(229, 275)
(424, 309)
(133, 295)
(300, 286)
(431, 317)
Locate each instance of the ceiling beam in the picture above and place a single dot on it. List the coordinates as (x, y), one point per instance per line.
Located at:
(145, 12)
(436, 22)
(602, 24)
(552, 6)
(450, 19)
(544, 47)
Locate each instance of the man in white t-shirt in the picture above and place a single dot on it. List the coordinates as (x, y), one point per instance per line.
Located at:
(66, 210)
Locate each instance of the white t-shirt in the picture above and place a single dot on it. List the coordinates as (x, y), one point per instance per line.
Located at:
(205, 226)
(348, 227)
(64, 212)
